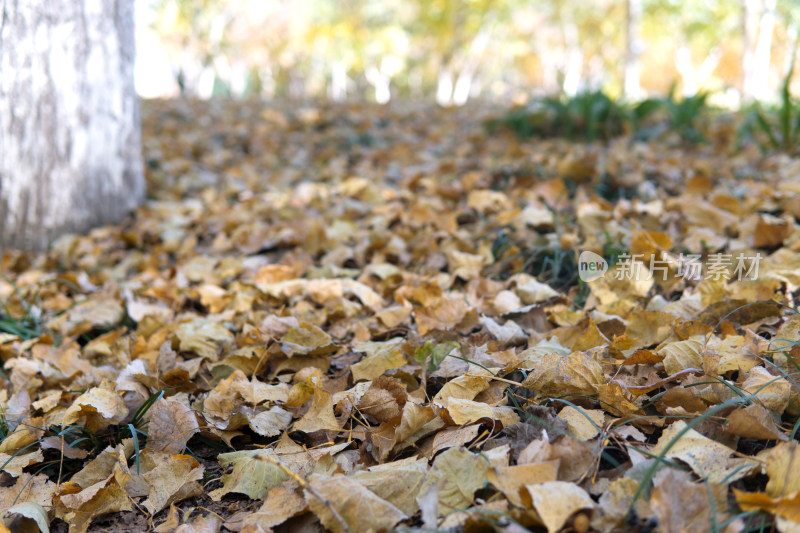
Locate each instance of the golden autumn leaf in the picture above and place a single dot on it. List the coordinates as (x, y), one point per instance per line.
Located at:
(320, 415)
(173, 479)
(460, 473)
(380, 357)
(171, 426)
(203, 337)
(345, 316)
(556, 501)
(96, 409)
(782, 461)
(78, 507)
(787, 507)
(359, 508)
(707, 458)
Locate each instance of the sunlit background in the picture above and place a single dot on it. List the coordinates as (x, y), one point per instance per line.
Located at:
(455, 51)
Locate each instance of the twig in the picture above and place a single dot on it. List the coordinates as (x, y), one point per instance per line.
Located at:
(307, 487)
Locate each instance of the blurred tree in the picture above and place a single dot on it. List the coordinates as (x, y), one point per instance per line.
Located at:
(758, 23)
(69, 120)
(453, 50)
(633, 43)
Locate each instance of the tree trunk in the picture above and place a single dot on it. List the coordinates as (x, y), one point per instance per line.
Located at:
(70, 153)
(749, 23)
(633, 44)
(763, 52)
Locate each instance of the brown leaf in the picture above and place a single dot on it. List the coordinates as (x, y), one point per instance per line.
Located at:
(556, 501)
(96, 409)
(754, 422)
(79, 507)
(674, 490)
(361, 509)
(320, 415)
(172, 480)
(381, 356)
(461, 474)
(171, 426)
(384, 400)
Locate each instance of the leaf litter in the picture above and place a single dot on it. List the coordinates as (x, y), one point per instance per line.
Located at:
(365, 318)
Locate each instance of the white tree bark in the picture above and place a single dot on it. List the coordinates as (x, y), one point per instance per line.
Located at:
(633, 50)
(749, 24)
(763, 52)
(70, 153)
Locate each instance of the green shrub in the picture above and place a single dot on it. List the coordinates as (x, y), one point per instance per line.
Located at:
(778, 129)
(590, 116)
(593, 115)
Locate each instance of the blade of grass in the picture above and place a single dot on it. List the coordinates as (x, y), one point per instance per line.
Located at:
(651, 472)
(135, 448)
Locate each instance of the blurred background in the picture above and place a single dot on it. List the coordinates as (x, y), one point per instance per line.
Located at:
(454, 51)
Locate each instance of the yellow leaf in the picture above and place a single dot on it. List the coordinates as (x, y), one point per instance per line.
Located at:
(783, 469)
(97, 408)
(171, 426)
(319, 416)
(771, 391)
(786, 507)
(172, 480)
(707, 458)
(583, 424)
(460, 473)
(682, 355)
(203, 337)
(360, 508)
(556, 501)
(381, 356)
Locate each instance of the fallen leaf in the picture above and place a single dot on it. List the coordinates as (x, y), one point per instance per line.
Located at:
(583, 424)
(172, 480)
(675, 490)
(707, 458)
(461, 473)
(556, 501)
(754, 422)
(381, 356)
(203, 337)
(171, 426)
(96, 409)
(359, 508)
(27, 516)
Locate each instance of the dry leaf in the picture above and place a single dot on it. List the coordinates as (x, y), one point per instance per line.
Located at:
(171, 426)
(461, 473)
(556, 501)
(173, 480)
(707, 458)
(360, 509)
(754, 422)
(96, 409)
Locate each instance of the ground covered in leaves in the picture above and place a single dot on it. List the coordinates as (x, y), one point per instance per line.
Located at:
(366, 318)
